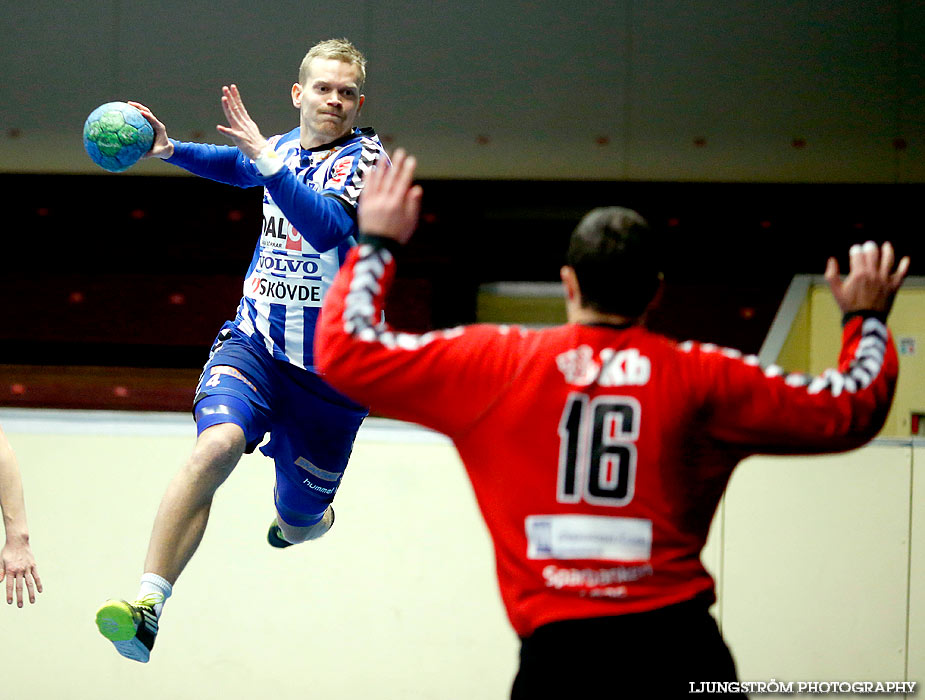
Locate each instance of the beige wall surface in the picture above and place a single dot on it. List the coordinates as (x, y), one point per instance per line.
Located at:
(712, 558)
(916, 657)
(816, 566)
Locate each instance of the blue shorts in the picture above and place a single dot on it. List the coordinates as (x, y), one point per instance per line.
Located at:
(312, 426)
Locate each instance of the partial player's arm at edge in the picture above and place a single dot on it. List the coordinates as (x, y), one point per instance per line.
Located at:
(17, 563)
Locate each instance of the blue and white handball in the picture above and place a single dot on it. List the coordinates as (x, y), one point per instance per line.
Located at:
(116, 135)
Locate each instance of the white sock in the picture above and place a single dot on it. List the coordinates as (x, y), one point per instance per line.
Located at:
(156, 585)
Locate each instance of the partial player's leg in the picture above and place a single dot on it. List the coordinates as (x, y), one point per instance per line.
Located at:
(230, 414)
(310, 445)
(184, 511)
(303, 494)
(178, 529)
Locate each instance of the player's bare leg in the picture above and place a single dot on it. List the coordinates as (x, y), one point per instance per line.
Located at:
(184, 511)
(178, 529)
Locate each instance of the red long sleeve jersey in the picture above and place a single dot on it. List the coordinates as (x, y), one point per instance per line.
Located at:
(597, 454)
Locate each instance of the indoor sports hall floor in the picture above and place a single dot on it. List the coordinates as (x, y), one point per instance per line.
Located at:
(817, 571)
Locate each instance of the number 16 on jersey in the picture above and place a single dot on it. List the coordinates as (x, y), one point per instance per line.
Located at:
(597, 451)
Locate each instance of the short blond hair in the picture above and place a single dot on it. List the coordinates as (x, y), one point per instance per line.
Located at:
(339, 49)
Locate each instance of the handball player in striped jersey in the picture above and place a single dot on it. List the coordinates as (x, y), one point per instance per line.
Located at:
(597, 450)
(260, 376)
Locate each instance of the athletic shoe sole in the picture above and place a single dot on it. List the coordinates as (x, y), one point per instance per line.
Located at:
(118, 621)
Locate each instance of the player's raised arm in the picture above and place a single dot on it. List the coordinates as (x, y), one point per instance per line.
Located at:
(17, 563)
(162, 147)
(844, 407)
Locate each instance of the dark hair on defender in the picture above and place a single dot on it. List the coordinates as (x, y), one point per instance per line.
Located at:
(615, 257)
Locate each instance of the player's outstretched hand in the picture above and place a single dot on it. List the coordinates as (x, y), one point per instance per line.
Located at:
(871, 284)
(17, 566)
(161, 148)
(390, 205)
(241, 128)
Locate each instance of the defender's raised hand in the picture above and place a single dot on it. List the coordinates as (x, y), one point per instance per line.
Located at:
(871, 284)
(389, 205)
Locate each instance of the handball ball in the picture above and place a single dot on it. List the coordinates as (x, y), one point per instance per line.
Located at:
(116, 135)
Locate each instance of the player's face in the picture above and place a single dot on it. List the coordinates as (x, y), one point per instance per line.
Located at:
(328, 101)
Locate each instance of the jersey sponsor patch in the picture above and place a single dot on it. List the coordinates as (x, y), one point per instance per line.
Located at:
(278, 234)
(561, 577)
(588, 537)
(278, 290)
(294, 239)
(290, 266)
(340, 172)
(610, 368)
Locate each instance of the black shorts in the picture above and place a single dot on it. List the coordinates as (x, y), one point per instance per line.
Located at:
(656, 654)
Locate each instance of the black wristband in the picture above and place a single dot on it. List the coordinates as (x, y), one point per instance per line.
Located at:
(377, 242)
(864, 313)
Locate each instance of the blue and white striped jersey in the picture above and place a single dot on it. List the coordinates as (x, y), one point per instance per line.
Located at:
(309, 225)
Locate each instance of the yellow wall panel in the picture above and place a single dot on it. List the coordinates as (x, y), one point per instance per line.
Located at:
(907, 321)
(826, 330)
(794, 355)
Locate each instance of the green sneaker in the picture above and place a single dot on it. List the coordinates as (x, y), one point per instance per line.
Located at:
(275, 536)
(131, 627)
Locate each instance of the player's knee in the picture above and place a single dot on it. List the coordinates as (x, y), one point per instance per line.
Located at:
(218, 449)
(218, 409)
